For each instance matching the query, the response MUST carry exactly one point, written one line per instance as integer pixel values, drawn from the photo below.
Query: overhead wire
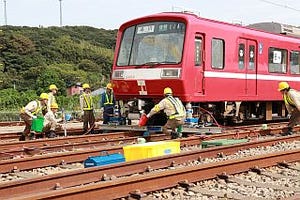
(280, 5)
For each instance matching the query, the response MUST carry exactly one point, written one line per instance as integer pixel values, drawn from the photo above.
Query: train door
(199, 63)
(247, 56)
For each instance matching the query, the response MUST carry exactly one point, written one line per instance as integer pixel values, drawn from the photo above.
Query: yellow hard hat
(54, 105)
(109, 86)
(283, 86)
(85, 86)
(44, 96)
(168, 90)
(53, 87)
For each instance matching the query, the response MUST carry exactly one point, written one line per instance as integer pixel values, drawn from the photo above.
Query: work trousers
(294, 119)
(107, 113)
(172, 124)
(51, 126)
(88, 118)
(28, 122)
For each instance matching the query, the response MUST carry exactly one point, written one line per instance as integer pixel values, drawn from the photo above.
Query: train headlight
(170, 73)
(118, 74)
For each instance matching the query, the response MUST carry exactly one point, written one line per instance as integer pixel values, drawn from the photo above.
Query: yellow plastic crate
(150, 149)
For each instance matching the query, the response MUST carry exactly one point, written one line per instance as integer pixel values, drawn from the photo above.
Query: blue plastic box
(191, 120)
(93, 161)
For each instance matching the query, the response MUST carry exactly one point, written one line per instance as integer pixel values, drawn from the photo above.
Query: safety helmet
(53, 87)
(168, 90)
(283, 86)
(85, 86)
(109, 86)
(54, 105)
(44, 96)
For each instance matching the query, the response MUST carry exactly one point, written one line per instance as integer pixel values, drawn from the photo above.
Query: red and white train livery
(230, 69)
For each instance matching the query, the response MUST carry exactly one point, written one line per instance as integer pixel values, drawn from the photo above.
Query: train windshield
(152, 43)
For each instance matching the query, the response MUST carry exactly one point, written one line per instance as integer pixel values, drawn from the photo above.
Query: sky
(110, 14)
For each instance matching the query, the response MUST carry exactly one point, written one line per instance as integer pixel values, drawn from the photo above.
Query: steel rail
(94, 174)
(30, 163)
(79, 155)
(160, 180)
(8, 150)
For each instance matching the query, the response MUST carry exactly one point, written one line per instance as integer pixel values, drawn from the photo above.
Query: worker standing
(51, 122)
(174, 110)
(87, 108)
(107, 103)
(291, 99)
(53, 91)
(31, 111)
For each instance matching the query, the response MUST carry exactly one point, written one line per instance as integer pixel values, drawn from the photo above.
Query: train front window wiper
(154, 64)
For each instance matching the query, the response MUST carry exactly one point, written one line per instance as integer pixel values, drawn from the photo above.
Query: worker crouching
(174, 110)
(51, 122)
(31, 111)
(291, 99)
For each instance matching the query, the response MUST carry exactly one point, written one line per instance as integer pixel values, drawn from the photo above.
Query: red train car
(229, 69)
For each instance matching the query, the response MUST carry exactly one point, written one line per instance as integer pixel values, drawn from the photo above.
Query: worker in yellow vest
(31, 111)
(291, 99)
(53, 92)
(174, 110)
(87, 109)
(107, 103)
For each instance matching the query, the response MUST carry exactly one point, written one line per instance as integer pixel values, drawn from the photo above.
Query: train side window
(241, 56)
(251, 57)
(295, 62)
(198, 51)
(217, 53)
(277, 60)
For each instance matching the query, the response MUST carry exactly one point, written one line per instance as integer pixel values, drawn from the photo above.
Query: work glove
(34, 117)
(289, 116)
(82, 113)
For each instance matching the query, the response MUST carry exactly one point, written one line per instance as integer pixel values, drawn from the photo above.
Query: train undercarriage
(212, 113)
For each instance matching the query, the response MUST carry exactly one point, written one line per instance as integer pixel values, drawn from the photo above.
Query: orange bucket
(143, 120)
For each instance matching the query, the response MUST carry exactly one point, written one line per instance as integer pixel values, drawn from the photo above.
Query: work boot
(174, 135)
(288, 132)
(22, 137)
(51, 134)
(31, 136)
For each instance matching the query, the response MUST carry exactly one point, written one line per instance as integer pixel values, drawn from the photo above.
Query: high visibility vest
(288, 100)
(88, 99)
(109, 101)
(52, 98)
(179, 108)
(37, 109)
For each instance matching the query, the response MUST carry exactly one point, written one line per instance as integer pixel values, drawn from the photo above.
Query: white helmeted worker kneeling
(174, 110)
(51, 121)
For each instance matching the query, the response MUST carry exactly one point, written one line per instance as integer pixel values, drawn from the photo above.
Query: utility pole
(60, 13)
(5, 14)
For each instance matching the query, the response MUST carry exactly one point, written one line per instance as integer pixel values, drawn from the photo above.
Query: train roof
(193, 18)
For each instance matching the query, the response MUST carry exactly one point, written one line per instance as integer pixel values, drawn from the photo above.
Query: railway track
(105, 142)
(106, 182)
(41, 153)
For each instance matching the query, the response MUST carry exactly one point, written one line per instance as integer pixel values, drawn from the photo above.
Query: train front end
(148, 58)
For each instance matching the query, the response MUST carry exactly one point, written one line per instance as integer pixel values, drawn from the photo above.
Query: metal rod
(60, 13)
(5, 13)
